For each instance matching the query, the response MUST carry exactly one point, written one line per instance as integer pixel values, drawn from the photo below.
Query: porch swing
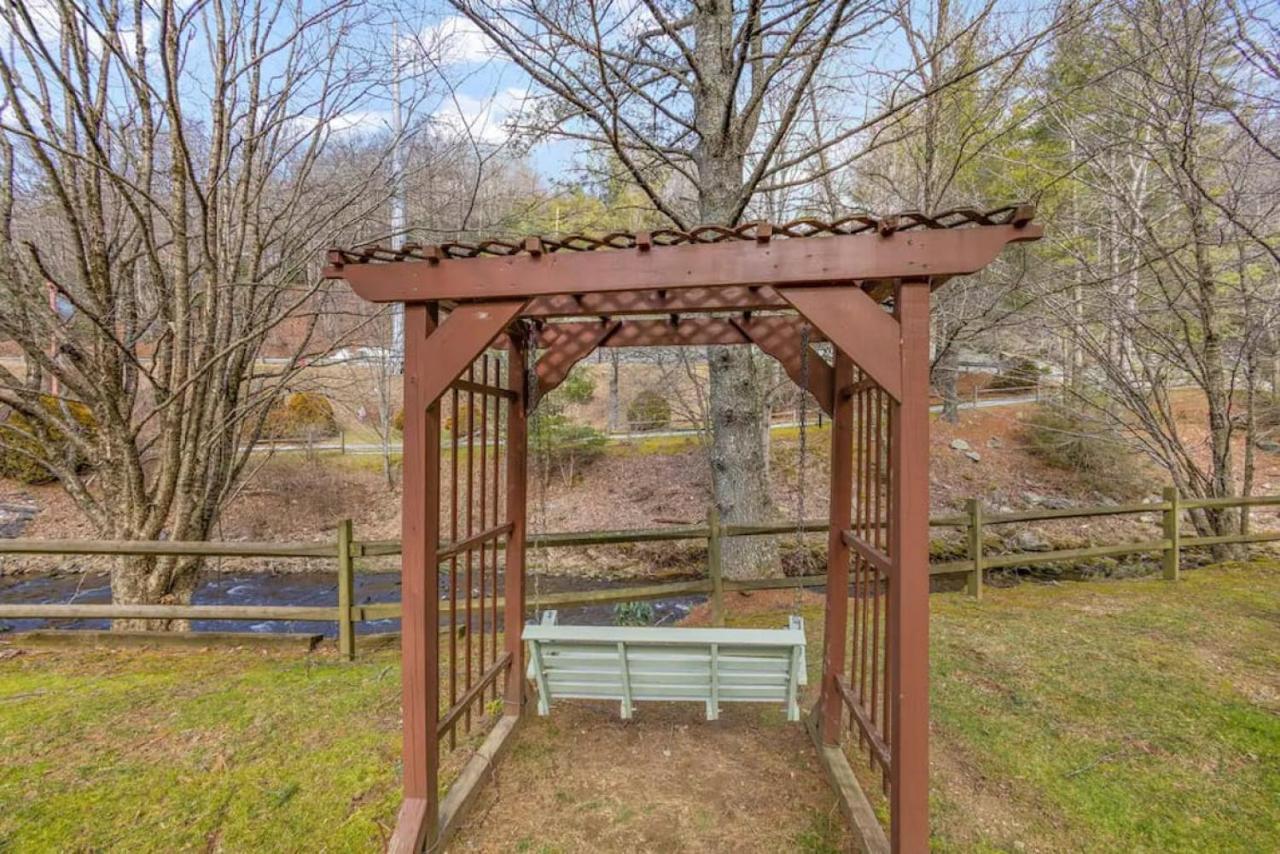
(863, 283)
(673, 664)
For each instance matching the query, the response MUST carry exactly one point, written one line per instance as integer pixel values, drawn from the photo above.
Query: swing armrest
(796, 623)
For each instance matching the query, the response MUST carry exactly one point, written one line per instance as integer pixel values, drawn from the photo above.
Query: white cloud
(150, 38)
(485, 119)
(45, 17)
(454, 40)
(358, 121)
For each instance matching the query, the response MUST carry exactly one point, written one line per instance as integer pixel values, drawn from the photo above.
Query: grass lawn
(1121, 716)
(1125, 716)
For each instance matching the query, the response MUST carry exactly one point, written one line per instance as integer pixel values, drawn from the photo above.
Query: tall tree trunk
(945, 379)
(1216, 389)
(739, 470)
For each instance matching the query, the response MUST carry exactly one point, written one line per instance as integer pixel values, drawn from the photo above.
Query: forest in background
(173, 175)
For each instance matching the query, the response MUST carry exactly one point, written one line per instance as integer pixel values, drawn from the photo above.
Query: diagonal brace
(569, 347)
(858, 327)
(461, 337)
(784, 343)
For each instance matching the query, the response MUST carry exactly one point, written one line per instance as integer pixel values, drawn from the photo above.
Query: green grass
(1130, 715)
(1125, 716)
(155, 751)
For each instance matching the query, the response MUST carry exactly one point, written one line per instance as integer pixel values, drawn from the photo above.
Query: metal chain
(802, 457)
(543, 461)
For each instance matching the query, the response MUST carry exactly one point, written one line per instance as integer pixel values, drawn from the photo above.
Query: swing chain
(802, 458)
(543, 462)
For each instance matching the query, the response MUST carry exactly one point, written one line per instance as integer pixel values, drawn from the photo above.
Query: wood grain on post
(974, 508)
(1172, 533)
(514, 553)
(346, 593)
(908, 618)
(420, 604)
(840, 515)
(715, 565)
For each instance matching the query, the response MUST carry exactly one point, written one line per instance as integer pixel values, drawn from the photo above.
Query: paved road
(375, 448)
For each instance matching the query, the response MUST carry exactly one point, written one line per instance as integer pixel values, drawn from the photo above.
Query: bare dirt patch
(583, 780)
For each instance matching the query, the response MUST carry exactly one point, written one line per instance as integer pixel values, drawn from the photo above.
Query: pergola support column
(908, 616)
(420, 602)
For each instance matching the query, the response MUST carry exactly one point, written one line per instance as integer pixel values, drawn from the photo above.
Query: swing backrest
(632, 665)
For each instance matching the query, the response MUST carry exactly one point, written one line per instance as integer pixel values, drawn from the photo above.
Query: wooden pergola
(863, 284)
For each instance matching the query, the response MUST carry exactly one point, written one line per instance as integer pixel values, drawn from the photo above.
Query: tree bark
(615, 392)
(945, 379)
(739, 467)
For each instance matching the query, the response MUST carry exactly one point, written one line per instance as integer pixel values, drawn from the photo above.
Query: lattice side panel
(868, 693)
(473, 522)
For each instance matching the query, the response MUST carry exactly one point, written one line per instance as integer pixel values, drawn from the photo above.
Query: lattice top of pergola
(831, 274)
(862, 223)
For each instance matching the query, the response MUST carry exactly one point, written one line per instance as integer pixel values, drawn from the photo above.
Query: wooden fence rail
(346, 550)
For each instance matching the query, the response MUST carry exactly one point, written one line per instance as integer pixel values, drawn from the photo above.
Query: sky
(484, 92)
(490, 89)
(487, 89)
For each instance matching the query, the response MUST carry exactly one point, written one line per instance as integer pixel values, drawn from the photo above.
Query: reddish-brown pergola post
(753, 284)
(909, 577)
(419, 604)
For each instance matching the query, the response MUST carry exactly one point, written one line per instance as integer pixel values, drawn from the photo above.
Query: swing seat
(632, 665)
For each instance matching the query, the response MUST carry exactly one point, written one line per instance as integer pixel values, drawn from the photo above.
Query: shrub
(397, 421)
(1018, 373)
(633, 614)
(578, 387)
(649, 411)
(1067, 439)
(27, 445)
(301, 415)
(568, 447)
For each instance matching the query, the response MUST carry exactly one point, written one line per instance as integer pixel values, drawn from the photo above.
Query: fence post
(714, 566)
(974, 508)
(346, 592)
(1172, 533)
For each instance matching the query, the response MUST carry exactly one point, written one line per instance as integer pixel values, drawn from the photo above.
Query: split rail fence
(347, 550)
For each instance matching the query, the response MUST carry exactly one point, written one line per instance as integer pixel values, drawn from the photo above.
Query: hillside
(646, 483)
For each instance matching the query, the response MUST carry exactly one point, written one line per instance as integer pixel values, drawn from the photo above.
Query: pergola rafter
(780, 287)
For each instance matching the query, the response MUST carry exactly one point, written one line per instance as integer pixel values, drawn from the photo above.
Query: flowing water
(315, 589)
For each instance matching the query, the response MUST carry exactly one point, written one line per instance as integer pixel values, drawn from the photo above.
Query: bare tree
(702, 104)
(1171, 198)
(950, 151)
(173, 173)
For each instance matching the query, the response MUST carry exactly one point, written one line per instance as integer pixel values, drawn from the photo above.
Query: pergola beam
(779, 336)
(679, 331)
(815, 261)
